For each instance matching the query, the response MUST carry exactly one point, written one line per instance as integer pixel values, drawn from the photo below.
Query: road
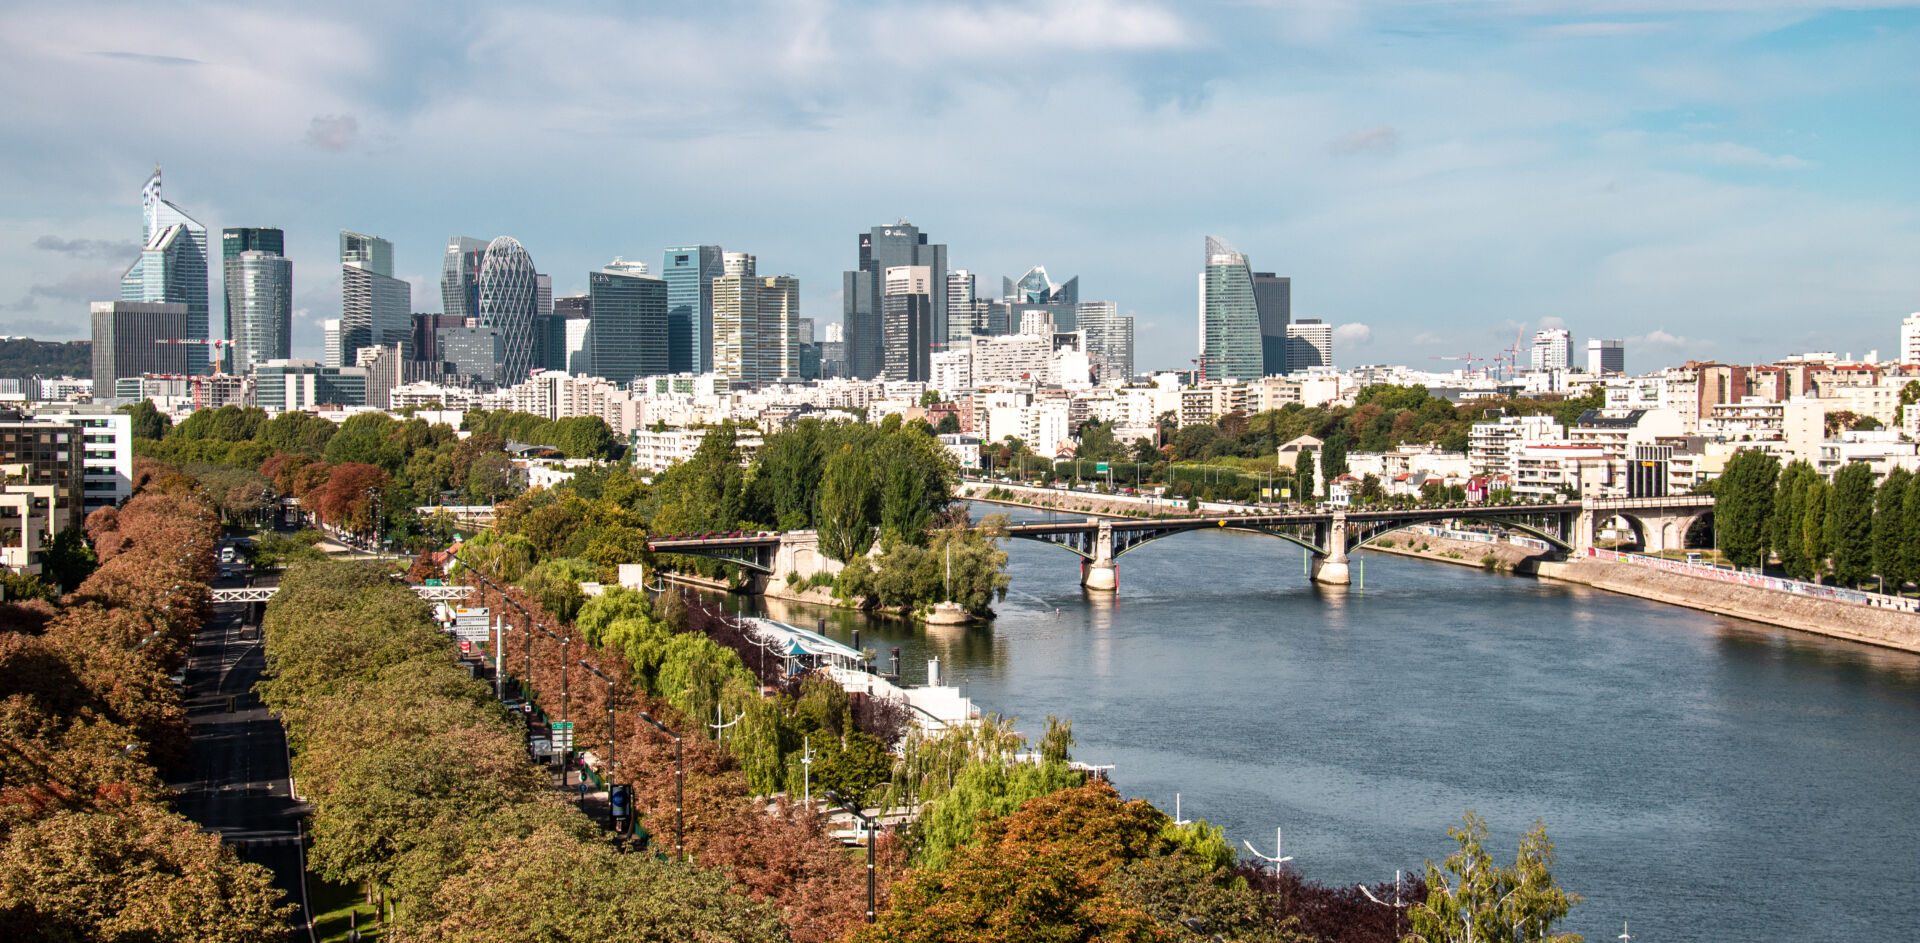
(237, 785)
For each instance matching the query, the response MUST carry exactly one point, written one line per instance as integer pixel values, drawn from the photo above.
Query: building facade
(1309, 345)
(689, 272)
(1229, 316)
(909, 327)
(628, 334)
(863, 290)
(460, 277)
(508, 297)
(283, 385)
(172, 267)
(1273, 298)
(257, 335)
(127, 341)
(375, 308)
(1606, 357)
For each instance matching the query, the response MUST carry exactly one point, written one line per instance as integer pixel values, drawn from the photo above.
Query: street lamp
(566, 706)
(1396, 906)
(679, 786)
(866, 821)
(1278, 857)
(609, 681)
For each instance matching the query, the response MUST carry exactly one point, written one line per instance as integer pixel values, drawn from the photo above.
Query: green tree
(1909, 395)
(706, 492)
(1814, 545)
(1789, 517)
(1889, 530)
(149, 423)
(1743, 505)
(580, 437)
(67, 561)
(1473, 898)
(1303, 476)
(849, 505)
(1850, 524)
(1910, 553)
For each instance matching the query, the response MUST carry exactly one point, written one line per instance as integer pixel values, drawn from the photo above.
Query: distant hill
(24, 357)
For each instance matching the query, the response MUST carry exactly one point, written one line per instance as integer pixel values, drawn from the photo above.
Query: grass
(337, 908)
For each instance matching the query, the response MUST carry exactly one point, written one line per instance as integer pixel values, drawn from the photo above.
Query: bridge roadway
(265, 593)
(1329, 534)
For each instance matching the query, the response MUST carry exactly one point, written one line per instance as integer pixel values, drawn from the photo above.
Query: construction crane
(1468, 357)
(219, 362)
(1202, 362)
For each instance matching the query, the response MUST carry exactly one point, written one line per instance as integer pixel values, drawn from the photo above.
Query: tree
(1889, 530)
(1743, 505)
(1477, 899)
(1303, 476)
(1814, 545)
(1850, 524)
(849, 504)
(67, 561)
(148, 422)
(1910, 511)
(1909, 394)
(1789, 513)
(580, 437)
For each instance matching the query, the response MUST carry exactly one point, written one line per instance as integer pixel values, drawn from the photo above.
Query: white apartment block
(1910, 339)
(106, 452)
(1012, 359)
(1552, 349)
(652, 451)
(952, 372)
(1490, 443)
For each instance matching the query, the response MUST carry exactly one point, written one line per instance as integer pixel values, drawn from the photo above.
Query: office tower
(1229, 316)
(1273, 298)
(543, 294)
(330, 343)
(460, 277)
(234, 241)
(1109, 339)
(833, 349)
(507, 300)
(628, 337)
(1910, 339)
(962, 324)
(883, 248)
(385, 367)
(126, 341)
(564, 337)
(1037, 321)
(907, 309)
(376, 309)
(689, 272)
(803, 331)
(754, 325)
(1606, 356)
(172, 267)
(426, 338)
(471, 352)
(777, 347)
(259, 289)
(1036, 291)
(1309, 344)
(1552, 349)
(284, 385)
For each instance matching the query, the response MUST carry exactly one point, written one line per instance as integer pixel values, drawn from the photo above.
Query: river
(1705, 778)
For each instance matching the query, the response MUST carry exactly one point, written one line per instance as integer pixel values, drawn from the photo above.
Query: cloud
(75, 287)
(148, 58)
(1658, 339)
(1352, 334)
(87, 248)
(1017, 29)
(1602, 29)
(1730, 154)
(333, 132)
(1550, 323)
(1381, 140)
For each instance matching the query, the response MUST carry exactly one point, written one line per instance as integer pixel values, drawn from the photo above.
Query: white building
(1490, 443)
(1309, 344)
(1606, 357)
(964, 448)
(106, 452)
(1552, 349)
(1910, 339)
(653, 451)
(952, 372)
(1011, 359)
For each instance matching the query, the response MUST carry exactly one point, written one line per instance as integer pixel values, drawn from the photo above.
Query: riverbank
(1885, 628)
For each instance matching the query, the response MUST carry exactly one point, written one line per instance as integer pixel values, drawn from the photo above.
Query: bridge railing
(1760, 581)
(1479, 536)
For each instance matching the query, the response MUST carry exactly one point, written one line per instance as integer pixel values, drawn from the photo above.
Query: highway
(237, 782)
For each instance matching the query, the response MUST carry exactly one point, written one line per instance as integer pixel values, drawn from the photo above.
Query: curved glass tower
(506, 304)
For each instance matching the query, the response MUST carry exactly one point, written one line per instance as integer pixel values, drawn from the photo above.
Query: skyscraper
(883, 248)
(777, 346)
(689, 272)
(234, 241)
(1309, 344)
(907, 307)
(259, 308)
(1552, 348)
(1273, 298)
(1229, 316)
(628, 336)
(1036, 291)
(426, 337)
(1606, 356)
(1910, 338)
(460, 276)
(568, 333)
(330, 352)
(126, 341)
(1109, 339)
(507, 299)
(376, 309)
(172, 266)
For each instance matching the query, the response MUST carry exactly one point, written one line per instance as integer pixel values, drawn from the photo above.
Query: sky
(1726, 179)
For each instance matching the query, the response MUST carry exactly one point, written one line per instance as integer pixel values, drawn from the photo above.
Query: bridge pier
(1101, 574)
(1331, 569)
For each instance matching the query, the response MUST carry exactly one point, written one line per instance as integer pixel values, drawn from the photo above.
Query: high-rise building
(508, 298)
(426, 337)
(1309, 344)
(1606, 356)
(248, 334)
(628, 337)
(689, 272)
(563, 343)
(883, 248)
(907, 308)
(777, 346)
(1229, 316)
(543, 294)
(172, 267)
(1109, 339)
(1273, 298)
(471, 352)
(1036, 291)
(460, 277)
(962, 287)
(331, 354)
(1552, 349)
(376, 309)
(126, 341)
(1910, 339)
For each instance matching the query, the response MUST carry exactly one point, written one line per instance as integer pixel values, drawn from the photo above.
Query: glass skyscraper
(460, 276)
(172, 266)
(863, 291)
(1229, 316)
(1273, 296)
(376, 309)
(507, 298)
(689, 272)
(258, 296)
(627, 311)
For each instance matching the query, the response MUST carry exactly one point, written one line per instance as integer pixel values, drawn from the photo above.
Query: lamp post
(866, 821)
(1279, 856)
(1396, 906)
(679, 786)
(566, 706)
(610, 717)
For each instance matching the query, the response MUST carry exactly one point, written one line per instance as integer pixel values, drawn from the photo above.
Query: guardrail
(1478, 536)
(265, 593)
(1777, 584)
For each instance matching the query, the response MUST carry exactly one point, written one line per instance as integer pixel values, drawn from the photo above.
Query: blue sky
(1706, 178)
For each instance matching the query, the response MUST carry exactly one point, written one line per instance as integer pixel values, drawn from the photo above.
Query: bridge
(265, 593)
(1329, 535)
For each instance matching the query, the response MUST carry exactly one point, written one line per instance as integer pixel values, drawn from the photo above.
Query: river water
(1705, 778)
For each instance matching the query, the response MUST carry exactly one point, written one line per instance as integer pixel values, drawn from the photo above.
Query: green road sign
(1101, 467)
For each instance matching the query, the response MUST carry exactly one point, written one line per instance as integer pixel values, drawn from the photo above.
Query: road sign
(472, 624)
(466, 647)
(1101, 467)
(436, 582)
(563, 734)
